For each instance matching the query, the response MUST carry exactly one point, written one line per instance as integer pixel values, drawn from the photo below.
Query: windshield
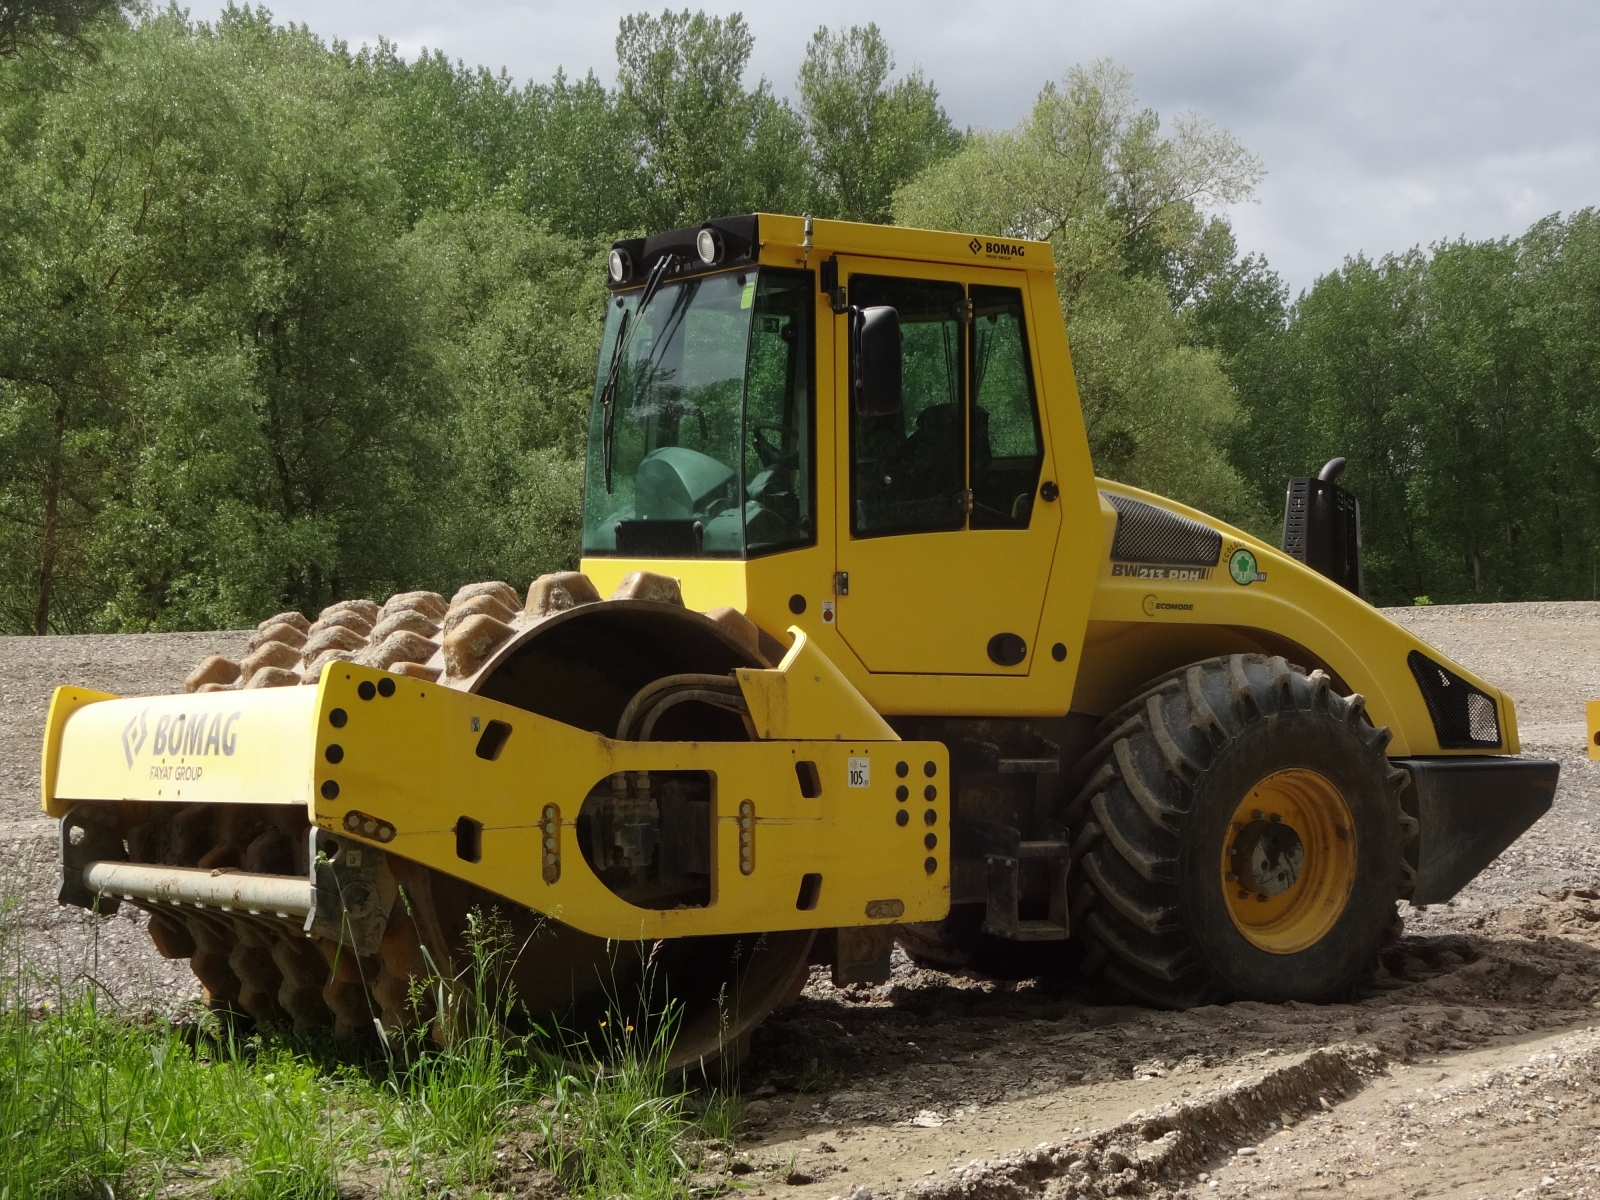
(708, 438)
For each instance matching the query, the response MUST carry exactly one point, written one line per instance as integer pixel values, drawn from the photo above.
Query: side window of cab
(1006, 447)
(908, 466)
(964, 449)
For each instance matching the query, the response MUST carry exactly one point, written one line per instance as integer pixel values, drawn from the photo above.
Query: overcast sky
(1382, 123)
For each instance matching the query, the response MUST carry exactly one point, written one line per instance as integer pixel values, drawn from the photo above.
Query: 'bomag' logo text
(183, 735)
(997, 249)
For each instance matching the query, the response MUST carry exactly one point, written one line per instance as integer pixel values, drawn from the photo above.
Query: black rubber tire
(1153, 811)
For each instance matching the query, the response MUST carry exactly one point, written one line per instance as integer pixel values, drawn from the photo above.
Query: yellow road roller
(860, 653)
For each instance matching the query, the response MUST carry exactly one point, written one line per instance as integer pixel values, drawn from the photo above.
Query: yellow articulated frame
(1134, 615)
(397, 761)
(410, 760)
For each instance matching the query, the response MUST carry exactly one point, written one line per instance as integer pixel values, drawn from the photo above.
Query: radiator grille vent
(1147, 534)
(1464, 717)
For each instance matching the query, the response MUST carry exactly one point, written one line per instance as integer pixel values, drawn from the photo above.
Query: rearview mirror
(876, 377)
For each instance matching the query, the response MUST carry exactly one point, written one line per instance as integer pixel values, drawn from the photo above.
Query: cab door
(944, 543)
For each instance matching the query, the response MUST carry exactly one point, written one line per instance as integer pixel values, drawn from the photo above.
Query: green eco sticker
(1242, 567)
(748, 296)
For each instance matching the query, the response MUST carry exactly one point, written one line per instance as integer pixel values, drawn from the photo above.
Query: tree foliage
(1123, 208)
(867, 135)
(282, 323)
(1461, 383)
(53, 26)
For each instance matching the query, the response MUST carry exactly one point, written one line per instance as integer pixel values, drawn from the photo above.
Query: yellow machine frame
(1095, 631)
(1118, 630)
(404, 745)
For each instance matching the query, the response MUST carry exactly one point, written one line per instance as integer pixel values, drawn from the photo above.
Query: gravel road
(1466, 1068)
(66, 943)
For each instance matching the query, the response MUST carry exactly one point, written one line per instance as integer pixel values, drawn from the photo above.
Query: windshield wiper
(608, 393)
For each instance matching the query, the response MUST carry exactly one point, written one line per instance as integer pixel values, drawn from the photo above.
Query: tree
(1459, 383)
(868, 137)
(216, 396)
(579, 173)
(1091, 173)
(705, 146)
(1121, 205)
(53, 26)
(454, 132)
(510, 308)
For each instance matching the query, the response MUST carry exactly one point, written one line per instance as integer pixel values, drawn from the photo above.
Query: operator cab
(826, 419)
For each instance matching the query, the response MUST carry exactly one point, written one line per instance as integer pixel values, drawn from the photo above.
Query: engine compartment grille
(1147, 534)
(1464, 717)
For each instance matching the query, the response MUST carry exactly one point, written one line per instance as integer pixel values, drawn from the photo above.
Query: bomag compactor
(860, 653)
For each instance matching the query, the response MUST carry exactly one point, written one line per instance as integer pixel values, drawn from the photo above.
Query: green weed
(95, 1104)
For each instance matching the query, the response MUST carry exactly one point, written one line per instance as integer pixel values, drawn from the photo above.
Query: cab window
(1006, 449)
(965, 449)
(908, 468)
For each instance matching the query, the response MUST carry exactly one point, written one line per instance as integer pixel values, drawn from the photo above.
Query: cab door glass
(1006, 447)
(908, 468)
(779, 472)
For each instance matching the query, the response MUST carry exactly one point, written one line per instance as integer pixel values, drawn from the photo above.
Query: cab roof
(896, 241)
(779, 239)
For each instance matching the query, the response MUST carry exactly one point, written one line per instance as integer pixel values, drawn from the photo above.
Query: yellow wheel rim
(1288, 861)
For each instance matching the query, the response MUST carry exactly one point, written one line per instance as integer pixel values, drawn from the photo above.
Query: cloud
(1382, 125)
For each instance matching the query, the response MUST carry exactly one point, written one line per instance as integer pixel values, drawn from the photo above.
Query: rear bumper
(1471, 808)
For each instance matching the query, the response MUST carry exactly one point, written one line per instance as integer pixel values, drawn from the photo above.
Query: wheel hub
(1288, 861)
(1268, 856)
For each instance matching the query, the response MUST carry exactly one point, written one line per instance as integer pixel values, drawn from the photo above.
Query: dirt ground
(1465, 1068)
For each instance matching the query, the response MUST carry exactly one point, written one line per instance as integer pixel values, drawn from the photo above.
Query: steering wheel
(773, 455)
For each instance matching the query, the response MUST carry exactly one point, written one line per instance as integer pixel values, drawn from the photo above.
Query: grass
(94, 1104)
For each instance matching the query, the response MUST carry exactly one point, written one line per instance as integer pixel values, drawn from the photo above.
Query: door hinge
(965, 500)
(841, 583)
(829, 280)
(964, 310)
